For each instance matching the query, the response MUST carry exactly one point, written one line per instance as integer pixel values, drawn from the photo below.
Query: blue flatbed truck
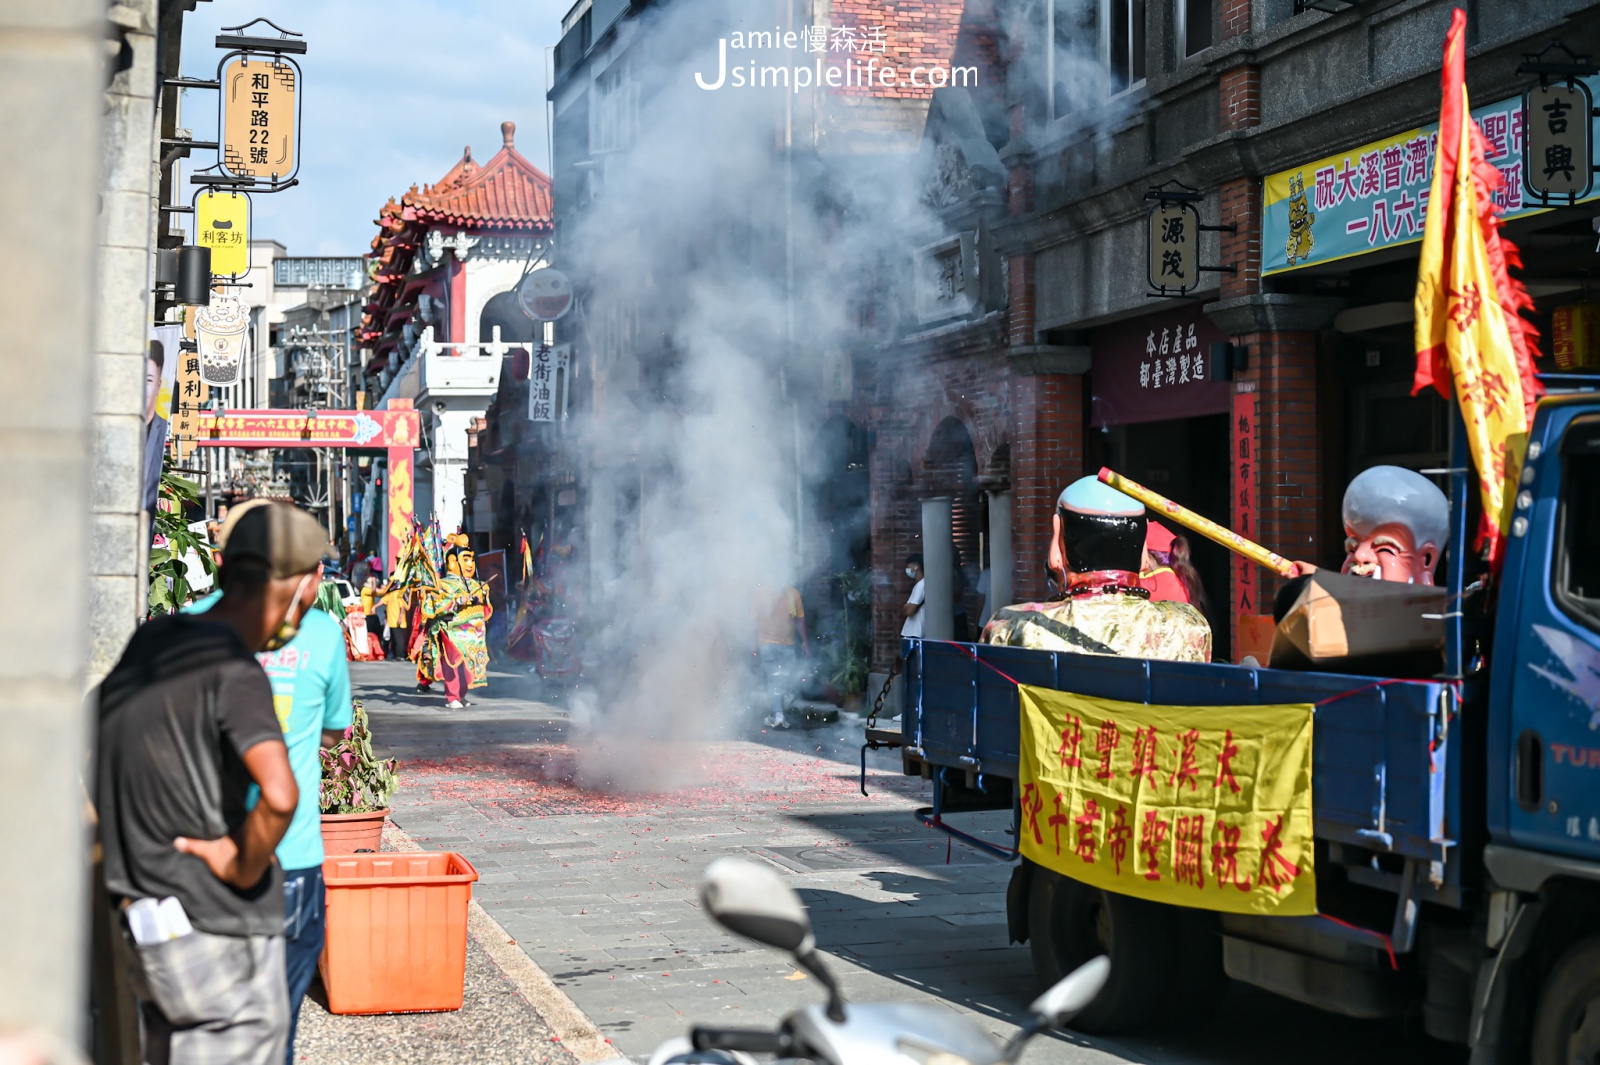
(1457, 818)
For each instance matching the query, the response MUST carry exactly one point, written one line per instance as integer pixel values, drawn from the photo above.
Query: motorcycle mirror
(753, 901)
(1073, 993)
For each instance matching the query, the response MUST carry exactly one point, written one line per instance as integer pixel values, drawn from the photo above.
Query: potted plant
(851, 663)
(355, 790)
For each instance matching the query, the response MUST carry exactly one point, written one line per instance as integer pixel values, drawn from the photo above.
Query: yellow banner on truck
(1200, 806)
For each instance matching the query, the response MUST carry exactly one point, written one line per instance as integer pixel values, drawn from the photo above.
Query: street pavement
(598, 886)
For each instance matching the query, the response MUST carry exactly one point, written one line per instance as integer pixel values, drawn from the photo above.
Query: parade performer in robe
(1099, 536)
(455, 612)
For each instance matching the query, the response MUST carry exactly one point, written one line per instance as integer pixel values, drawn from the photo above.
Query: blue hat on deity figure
(1101, 528)
(1090, 495)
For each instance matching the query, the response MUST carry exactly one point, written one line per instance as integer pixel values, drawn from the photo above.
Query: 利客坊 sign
(1376, 196)
(1201, 806)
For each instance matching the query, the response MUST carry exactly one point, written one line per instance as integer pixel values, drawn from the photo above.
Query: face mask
(287, 629)
(911, 573)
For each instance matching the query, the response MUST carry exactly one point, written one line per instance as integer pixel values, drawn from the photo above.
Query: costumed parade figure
(1396, 523)
(1099, 539)
(545, 629)
(455, 611)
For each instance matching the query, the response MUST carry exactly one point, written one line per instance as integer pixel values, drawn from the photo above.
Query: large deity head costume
(1096, 546)
(1395, 525)
(1097, 529)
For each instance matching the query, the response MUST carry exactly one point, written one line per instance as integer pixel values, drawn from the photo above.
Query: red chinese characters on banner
(1105, 745)
(1188, 851)
(1071, 740)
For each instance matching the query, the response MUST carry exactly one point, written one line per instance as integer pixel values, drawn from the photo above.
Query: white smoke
(746, 262)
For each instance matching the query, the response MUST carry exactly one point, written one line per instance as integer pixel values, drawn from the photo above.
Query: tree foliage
(172, 541)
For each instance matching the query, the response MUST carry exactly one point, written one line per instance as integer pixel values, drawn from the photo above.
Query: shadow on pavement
(974, 966)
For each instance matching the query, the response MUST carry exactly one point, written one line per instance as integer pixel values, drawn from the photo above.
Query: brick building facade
(1016, 346)
(1324, 388)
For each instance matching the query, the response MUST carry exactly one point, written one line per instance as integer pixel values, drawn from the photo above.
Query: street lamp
(194, 276)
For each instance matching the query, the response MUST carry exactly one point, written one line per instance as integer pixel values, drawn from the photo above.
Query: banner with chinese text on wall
(1376, 196)
(1201, 806)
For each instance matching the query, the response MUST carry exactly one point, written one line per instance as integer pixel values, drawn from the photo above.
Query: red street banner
(299, 428)
(1246, 599)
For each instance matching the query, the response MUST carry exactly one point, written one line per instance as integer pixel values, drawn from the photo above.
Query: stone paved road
(599, 890)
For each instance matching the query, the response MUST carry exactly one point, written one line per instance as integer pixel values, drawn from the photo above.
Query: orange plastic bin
(397, 931)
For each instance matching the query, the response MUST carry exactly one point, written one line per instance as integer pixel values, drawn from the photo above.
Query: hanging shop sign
(260, 117)
(222, 334)
(545, 295)
(190, 393)
(222, 223)
(1558, 142)
(547, 383)
(1376, 196)
(1172, 240)
(1174, 248)
(1156, 368)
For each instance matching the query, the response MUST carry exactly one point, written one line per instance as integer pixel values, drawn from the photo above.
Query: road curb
(572, 1026)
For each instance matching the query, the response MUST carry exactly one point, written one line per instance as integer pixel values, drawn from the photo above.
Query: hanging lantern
(1573, 337)
(222, 334)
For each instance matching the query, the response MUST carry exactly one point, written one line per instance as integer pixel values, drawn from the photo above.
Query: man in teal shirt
(311, 692)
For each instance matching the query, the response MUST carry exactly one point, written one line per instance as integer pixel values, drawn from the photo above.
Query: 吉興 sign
(1204, 807)
(1557, 146)
(260, 117)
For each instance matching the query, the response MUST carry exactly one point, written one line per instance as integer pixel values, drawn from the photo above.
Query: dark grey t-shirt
(185, 701)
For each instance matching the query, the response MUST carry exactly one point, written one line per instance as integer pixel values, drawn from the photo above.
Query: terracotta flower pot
(349, 833)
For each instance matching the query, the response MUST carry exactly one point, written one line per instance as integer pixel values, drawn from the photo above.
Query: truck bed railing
(1380, 743)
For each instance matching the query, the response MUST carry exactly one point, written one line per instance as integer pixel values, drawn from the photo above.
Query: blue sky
(394, 89)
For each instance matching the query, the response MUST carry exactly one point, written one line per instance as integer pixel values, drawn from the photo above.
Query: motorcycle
(752, 901)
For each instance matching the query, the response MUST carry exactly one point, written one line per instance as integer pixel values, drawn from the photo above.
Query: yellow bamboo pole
(1195, 523)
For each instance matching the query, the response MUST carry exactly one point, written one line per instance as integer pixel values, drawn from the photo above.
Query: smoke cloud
(722, 267)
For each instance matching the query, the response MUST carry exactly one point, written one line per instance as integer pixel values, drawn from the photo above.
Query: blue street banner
(1376, 196)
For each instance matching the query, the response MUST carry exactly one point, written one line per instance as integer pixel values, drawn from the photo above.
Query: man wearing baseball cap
(187, 725)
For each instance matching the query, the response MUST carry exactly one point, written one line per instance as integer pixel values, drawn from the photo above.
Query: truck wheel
(1070, 923)
(1566, 1028)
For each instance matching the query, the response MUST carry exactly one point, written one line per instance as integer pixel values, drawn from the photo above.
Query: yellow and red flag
(1470, 332)
(527, 559)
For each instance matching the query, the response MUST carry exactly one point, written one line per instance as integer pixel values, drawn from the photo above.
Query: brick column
(1047, 411)
(1279, 334)
(1235, 18)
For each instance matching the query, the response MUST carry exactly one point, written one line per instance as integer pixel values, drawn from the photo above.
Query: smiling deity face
(1389, 553)
(1395, 524)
